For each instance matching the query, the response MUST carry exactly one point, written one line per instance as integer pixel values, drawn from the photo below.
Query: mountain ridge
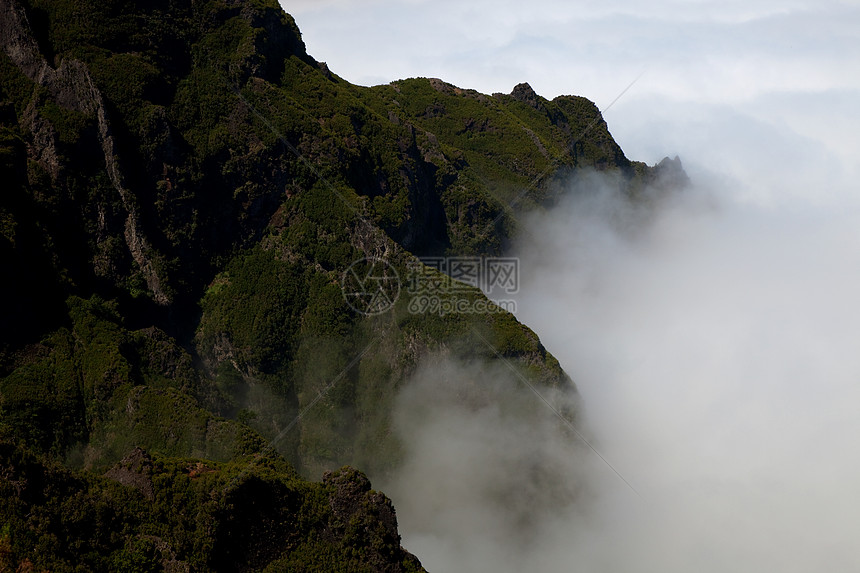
(187, 188)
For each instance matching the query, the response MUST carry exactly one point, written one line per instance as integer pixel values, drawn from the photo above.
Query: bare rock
(524, 93)
(135, 470)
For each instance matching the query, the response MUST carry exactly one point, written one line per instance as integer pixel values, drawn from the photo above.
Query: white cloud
(717, 352)
(776, 45)
(714, 345)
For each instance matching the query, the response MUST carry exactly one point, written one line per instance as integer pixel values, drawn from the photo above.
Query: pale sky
(722, 83)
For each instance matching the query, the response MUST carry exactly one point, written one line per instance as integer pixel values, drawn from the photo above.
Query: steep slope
(183, 122)
(185, 193)
(154, 514)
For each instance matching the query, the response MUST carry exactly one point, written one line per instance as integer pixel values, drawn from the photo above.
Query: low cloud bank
(714, 342)
(487, 466)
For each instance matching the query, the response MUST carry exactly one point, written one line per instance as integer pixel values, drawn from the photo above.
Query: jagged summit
(524, 93)
(669, 174)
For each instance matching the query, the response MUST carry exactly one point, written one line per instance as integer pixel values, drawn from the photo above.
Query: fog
(715, 345)
(487, 466)
(713, 336)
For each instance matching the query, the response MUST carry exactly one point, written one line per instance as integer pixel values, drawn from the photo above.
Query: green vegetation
(184, 189)
(153, 514)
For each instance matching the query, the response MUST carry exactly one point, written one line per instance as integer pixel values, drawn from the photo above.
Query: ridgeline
(184, 190)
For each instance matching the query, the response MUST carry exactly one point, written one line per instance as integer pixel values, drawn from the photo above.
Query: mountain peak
(524, 93)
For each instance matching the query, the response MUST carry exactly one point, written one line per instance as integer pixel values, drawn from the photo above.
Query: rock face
(184, 192)
(524, 93)
(18, 42)
(135, 470)
(214, 518)
(359, 512)
(669, 174)
(196, 170)
(72, 87)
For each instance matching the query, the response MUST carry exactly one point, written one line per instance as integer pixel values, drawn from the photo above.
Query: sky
(783, 74)
(713, 341)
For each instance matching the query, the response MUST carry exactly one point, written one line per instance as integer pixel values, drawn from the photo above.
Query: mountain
(188, 199)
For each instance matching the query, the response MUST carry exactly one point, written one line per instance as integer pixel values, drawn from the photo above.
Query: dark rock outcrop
(525, 94)
(669, 175)
(135, 470)
(359, 512)
(71, 86)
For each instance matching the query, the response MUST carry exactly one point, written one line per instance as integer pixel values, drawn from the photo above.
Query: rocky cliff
(186, 192)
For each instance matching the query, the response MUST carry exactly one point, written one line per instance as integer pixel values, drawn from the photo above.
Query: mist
(487, 466)
(714, 343)
(712, 335)
(713, 340)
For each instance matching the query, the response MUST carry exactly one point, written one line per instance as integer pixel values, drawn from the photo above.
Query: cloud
(714, 343)
(761, 151)
(714, 340)
(487, 466)
(713, 50)
(714, 347)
